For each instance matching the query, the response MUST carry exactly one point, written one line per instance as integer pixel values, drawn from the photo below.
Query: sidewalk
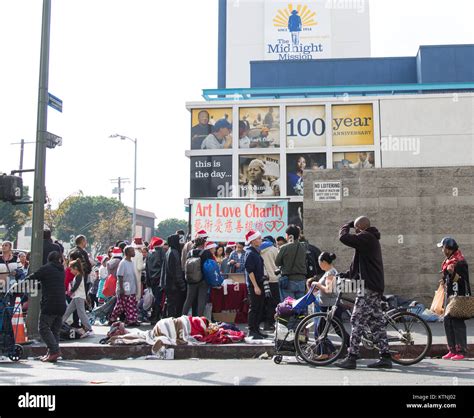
(91, 349)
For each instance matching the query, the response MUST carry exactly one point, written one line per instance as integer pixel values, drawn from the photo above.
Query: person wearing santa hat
(254, 275)
(113, 263)
(190, 245)
(196, 296)
(153, 266)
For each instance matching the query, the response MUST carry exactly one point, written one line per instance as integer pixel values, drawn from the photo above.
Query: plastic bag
(438, 301)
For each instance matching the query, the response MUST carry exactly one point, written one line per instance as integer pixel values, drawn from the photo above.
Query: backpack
(192, 269)
(212, 273)
(312, 265)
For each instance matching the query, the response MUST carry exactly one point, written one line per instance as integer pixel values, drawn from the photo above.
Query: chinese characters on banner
(231, 220)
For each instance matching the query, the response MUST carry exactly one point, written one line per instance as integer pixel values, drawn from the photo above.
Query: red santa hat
(117, 252)
(156, 242)
(231, 244)
(201, 234)
(250, 236)
(100, 258)
(210, 245)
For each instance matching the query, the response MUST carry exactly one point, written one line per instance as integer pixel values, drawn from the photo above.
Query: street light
(134, 216)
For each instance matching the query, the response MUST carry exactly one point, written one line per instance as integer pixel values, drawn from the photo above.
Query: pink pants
(127, 304)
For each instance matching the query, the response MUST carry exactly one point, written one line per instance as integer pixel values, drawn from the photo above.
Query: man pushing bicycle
(367, 265)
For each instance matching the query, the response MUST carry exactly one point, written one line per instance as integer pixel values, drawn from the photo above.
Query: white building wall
(427, 132)
(350, 34)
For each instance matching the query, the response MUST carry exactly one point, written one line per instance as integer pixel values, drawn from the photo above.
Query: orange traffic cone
(19, 327)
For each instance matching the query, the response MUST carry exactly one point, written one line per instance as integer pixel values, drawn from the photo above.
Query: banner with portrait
(211, 128)
(229, 220)
(259, 175)
(259, 127)
(296, 164)
(361, 159)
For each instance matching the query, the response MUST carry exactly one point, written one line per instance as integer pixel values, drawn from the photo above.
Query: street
(228, 372)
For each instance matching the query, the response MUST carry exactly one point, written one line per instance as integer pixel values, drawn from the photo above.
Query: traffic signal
(11, 188)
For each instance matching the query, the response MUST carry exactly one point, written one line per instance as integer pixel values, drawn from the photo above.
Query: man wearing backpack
(197, 286)
(292, 261)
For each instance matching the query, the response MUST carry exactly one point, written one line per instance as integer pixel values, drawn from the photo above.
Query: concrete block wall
(413, 208)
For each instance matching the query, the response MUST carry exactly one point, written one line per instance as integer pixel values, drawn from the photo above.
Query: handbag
(460, 307)
(110, 286)
(438, 300)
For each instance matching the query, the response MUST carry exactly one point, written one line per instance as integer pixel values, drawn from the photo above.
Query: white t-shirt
(127, 270)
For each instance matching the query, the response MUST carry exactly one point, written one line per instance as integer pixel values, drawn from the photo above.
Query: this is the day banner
(230, 220)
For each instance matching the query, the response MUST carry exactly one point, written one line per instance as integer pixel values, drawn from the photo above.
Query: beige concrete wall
(412, 207)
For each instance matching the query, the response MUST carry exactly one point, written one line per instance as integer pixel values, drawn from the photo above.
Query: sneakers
(256, 336)
(449, 356)
(51, 358)
(88, 334)
(385, 362)
(350, 362)
(457, 357)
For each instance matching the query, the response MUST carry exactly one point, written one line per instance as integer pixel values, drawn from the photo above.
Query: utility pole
(40, 167)
(22, 152)
(118, 190)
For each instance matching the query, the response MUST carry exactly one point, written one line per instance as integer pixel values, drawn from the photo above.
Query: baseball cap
(222, 123)
(447, 242)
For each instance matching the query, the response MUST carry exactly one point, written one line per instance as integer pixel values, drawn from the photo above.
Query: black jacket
(53, 295)
(154, 264)
(254, 264)
(367, 263)
(457, 284)
(172, 275)
(78, 252)
(48, 247)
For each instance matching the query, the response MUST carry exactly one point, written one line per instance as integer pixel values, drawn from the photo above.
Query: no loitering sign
(327, 191)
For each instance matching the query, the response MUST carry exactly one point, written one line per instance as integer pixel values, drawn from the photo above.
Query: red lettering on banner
(218, 226)
(228, 212)
(203, 210)
(208, 225)
(228, 226)
(197, 225)
(248, 226)
(239, 227)
(259, 226)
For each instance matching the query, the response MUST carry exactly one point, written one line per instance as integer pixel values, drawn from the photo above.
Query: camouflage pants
(367, 315)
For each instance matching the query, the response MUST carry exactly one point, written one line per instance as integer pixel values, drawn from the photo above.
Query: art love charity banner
(231, 220)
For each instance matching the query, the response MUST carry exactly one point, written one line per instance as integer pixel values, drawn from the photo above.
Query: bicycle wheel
(409, 338)
(319, 343)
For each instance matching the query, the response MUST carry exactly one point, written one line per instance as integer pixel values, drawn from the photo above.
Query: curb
(216, 352)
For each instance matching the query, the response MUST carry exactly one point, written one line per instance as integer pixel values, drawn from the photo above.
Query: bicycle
(409, 336)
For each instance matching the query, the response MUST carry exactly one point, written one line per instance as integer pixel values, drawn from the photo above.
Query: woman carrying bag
(455, 275)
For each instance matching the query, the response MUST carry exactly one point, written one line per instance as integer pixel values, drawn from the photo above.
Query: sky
(129, 67)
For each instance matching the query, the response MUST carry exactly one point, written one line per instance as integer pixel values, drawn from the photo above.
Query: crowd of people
(165, 278)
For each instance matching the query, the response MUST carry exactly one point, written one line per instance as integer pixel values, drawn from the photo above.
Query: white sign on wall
(297, 30)
(327, 191)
